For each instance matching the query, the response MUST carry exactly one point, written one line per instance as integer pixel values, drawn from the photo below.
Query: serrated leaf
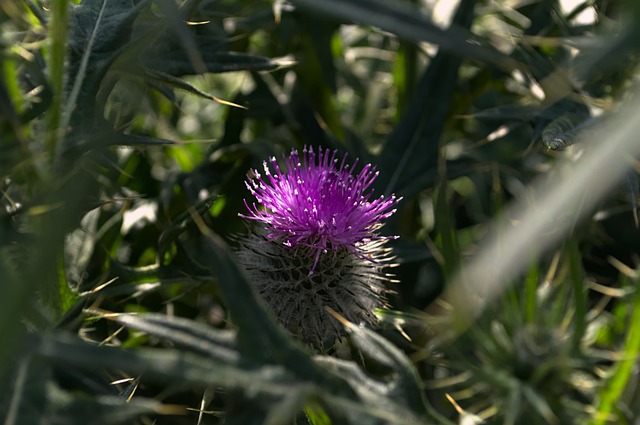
(405, 386)
(35, 395)
(114, 18)
(99, 29)
(176, 20)
(178, 83)
(216, 62)
(188, 334)
(166, 365)
(397, 394)
(67, 409)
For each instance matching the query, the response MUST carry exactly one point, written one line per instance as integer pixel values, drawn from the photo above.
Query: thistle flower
(317, 245)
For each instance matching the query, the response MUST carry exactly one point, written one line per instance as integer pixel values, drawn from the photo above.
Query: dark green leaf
(406, 21)
(192, 336)
(566, 131)
(411, 150)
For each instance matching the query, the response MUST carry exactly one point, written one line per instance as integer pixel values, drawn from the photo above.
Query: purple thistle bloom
(319, 204)
(318, 248)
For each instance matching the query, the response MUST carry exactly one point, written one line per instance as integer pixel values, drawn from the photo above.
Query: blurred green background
(127, 129)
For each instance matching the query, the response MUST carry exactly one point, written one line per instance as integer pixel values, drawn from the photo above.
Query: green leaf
(411, 151)
(407, 22)
(178, 83)
(175, 64)
(504, 113)
(182, 223)
(621, 374)
(166, 365)
(68, 409)
(566, 130)
(191, 336)
(137, 140)
(404, 387)
(34, 395)
(317, 415)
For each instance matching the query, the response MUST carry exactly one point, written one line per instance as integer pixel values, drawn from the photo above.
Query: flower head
(319, 203)
(318, 247)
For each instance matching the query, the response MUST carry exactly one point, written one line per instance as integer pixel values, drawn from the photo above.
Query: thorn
(466, 418)
(403, 333)
(227, 103)
(347, 324)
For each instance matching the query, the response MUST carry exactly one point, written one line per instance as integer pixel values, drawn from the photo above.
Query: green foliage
(127, 128)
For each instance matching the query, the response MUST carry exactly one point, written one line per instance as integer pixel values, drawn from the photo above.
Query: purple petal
(318, 203)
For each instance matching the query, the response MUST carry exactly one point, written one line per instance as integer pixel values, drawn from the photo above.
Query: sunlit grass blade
(622, 372)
